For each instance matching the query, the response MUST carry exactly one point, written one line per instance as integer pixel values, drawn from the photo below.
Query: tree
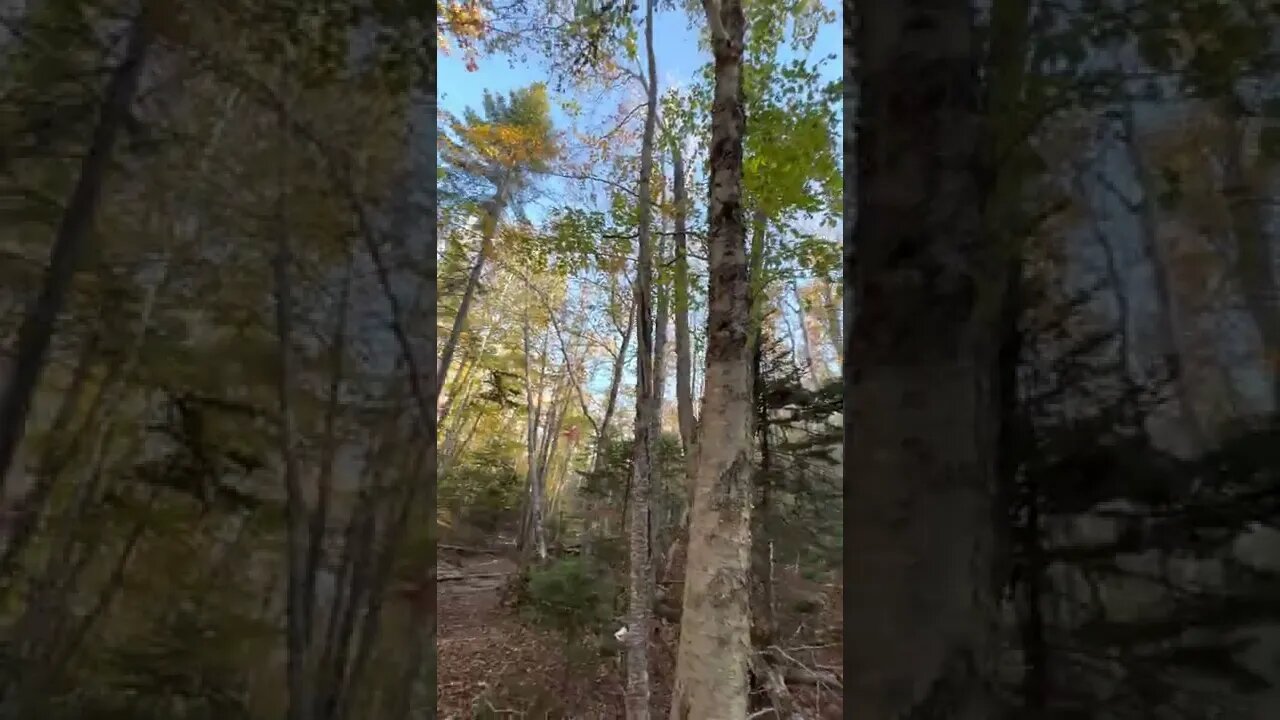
(712, 661)
(924, 427)
(73, 232)
(640, 595)
(500, 148)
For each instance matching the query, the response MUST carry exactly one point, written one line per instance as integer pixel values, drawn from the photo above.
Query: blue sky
(678, 55)
(679, 59)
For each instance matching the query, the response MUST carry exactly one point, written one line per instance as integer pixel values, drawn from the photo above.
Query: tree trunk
(680, 291)
(319, 521)
(661, 323)
(489, 228)
(658, 521)
(831, 310)
(715, 625)
(1255, 259)
(756, 278)
(462, 382)
(615, 386)
(762, 625)
(72, 235)
(640, 595)
(1166, 310)
(533, 536)
(298, 620)
(922, 442)
(809, 359)
(602, 429)
(761, 592)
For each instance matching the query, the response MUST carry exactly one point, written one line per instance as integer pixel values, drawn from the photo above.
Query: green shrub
(484, 493)
(571, 595)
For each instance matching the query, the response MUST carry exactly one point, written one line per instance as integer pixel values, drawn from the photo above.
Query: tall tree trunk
(680, 298)
(715, 624)
(1255, 257)
(660, 326)
(640, 595)
(72, 235)
(923, 439)
(831, 311)
(761, 591)
(810, 361)
(324, 478)
(756, 278)
(657, 525)
(1148, 218)
(536, 541)
(462, 382)
(298, 621)
(615, 387)
(762, 625)
(606, 420)
(489, 229)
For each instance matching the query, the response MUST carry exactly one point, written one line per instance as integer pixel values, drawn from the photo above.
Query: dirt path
(491, 663)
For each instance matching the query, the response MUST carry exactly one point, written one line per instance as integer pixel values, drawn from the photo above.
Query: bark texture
(922, 439)
(715, 628)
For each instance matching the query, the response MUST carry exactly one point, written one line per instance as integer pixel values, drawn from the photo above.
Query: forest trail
(491, 663)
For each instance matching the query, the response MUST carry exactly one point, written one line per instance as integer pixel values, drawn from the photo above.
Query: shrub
(570, 595)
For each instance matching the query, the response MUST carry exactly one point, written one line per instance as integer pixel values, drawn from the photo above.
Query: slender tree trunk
(615, 387)
(1255, 259)
(661, 324)
(72, 235)
(536, 541)
(658, 521)
(493, 214)
(462, 382)
(809, 359)
(1115, 275)
(640, 595)
(324, 478)
(923, 440)
(715, 624)
(761, 591)
(831, 310)
(298, 621)
(680, 290)
(1166, 310)
(601, 449)
(755, 274)
(762, 625)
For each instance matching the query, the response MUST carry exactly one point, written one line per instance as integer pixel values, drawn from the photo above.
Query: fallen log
(472, 576)
(464, 550)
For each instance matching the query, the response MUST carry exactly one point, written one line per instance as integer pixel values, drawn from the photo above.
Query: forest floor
(495, 664)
